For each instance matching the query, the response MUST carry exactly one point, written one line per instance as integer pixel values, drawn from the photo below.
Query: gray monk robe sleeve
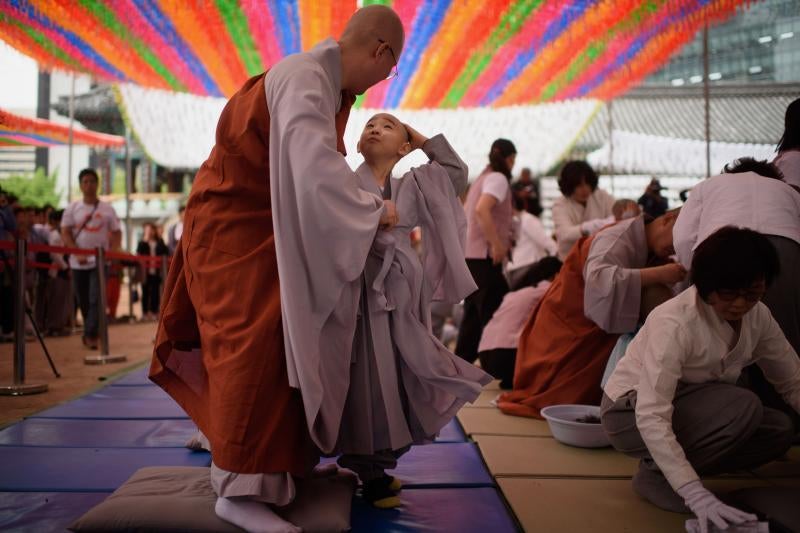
(324, 228)
(438, 149)
(613, 289)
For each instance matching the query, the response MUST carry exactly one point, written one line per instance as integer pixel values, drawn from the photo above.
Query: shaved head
(371, 45)
(374, 22)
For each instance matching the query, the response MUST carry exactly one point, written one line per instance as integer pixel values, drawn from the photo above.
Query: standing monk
(276, 235)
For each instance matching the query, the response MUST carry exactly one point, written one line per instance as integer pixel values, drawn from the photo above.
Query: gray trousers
(373, 466)
(783, 300)
(721, 428)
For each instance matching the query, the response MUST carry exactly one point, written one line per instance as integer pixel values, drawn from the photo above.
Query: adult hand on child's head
(672, 273)
(708, 508)
(389, 218)
(415, 138)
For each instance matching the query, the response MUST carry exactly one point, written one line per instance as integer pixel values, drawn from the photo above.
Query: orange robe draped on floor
(561, 354)
(219, 350)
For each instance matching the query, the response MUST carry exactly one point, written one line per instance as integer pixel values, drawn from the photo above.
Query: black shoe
(378, 493)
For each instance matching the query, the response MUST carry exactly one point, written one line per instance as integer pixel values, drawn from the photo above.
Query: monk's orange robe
(562, 354)
(219, 349)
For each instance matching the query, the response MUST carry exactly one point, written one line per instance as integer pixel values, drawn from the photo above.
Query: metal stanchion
(19, 387)
(104, 356)
(164, 273)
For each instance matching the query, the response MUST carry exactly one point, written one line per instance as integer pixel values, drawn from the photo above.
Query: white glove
(707, 508)
(593, 226)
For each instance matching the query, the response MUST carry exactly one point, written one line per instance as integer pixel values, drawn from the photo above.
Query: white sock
(198, 441)
(253, 516)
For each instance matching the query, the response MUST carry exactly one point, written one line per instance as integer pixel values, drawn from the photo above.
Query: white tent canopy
(639, 153)
(176, 130)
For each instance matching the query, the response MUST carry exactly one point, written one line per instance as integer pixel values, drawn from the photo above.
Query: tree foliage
(33, 190)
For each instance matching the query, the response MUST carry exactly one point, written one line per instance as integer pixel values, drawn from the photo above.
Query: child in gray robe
(404, 384)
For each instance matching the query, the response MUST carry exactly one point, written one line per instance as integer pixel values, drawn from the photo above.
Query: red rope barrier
(145, 260)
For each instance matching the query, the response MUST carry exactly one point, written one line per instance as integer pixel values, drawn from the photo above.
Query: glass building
(761, 44)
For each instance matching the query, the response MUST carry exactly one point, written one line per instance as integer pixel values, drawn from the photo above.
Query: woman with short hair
(583, 209)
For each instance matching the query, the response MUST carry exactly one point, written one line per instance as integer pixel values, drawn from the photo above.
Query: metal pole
(128, 188)
(18, 387)
(102, 317)
(128, 232)
(610, 108)
(69, 150)
(707, 100)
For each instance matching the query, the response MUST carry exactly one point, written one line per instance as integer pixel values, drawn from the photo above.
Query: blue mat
(36, 469)
(82, 433)
(129, 393)
(134, 379)
(452, 432)
(26, 512)
(449, 464)
(99, 408)
(463, 510)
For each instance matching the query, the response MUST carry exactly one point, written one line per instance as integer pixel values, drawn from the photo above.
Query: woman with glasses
(672, 401)
(751, 194)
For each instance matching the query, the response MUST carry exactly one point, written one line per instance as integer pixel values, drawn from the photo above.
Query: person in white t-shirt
(532, 243)
(89, 223)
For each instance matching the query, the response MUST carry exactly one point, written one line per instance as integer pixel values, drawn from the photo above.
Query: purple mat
(83, 433)
(452, 432)
(34, 512)
(39, 469)
(465, 510)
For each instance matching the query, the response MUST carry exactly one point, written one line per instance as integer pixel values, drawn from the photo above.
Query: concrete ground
(133, 340)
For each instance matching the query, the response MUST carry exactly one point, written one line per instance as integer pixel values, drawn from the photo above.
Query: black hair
(55, 215)
(750, 164)
(501, 149)
(573, 173)
(790, 140)
(733, 258)
(543, 269)
(88, 172)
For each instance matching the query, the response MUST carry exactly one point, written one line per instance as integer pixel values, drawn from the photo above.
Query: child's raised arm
(438, 149)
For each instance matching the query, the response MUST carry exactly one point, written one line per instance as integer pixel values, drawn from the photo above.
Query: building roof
(96, 109)
(739, 113)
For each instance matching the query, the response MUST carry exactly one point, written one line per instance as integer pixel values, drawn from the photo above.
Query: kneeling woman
(596, 296)
(672, 399)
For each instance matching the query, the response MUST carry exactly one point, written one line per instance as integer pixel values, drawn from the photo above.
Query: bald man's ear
(405, 149)
(358, 147)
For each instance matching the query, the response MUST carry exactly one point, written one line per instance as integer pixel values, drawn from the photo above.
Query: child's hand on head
(415, 138)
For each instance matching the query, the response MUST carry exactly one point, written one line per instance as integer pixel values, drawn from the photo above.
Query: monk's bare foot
(252, 516)
(198, 441)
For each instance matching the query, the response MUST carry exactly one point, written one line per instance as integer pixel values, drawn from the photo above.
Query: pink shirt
(504, 328)
(502, 214)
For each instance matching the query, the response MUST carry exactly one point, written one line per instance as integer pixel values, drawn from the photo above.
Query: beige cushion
(180, 499)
